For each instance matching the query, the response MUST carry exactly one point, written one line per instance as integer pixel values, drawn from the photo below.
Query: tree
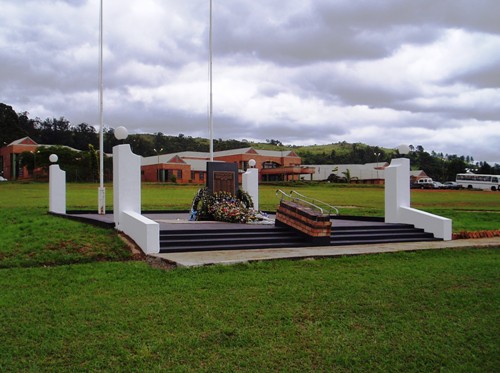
(9, 125)
(56, 131)
(93, 162)
(484, 168)
(109, 139)
(274, 142)
(83, 135)
(347, 175)
(30, 126)
(27, 159)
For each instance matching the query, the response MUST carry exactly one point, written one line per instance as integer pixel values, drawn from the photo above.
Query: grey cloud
(347, 31)
(486, 77)
(49, 63)
(228, 127)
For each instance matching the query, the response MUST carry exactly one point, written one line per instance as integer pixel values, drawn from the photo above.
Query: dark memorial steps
(344, 232)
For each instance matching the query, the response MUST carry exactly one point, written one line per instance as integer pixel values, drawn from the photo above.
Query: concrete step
(280, 237)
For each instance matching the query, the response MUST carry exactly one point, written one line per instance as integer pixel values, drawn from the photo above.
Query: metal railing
(312, 202)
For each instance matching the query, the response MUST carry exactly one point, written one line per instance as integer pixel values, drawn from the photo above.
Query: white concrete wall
(57, 189)
(250, 184)
(439, 226)
(397, 202)
(127, 201)
(361, 171)
(322, 171)
(145, 232)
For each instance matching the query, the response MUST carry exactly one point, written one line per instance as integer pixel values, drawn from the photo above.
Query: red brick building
(190, 167)
(183, 167)
(10, 157)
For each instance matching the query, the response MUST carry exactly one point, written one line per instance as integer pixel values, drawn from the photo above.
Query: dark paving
(180, 221)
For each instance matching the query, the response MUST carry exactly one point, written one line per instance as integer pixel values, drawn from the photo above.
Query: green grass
(30, 237)
(470, 210)
(408, 312)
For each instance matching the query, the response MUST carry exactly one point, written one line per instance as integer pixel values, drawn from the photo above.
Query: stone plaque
(222, 176)
(224, 181)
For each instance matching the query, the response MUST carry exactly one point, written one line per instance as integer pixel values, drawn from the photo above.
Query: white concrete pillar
(126, 181)
(250, 184)
(397, 188)
(127, 201)
(57, 189)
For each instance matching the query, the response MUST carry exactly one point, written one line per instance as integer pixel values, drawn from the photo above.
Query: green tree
(484, 168)
(347, 175)
(93, 162)
(9, 125)
(27, 159)
(83, 135)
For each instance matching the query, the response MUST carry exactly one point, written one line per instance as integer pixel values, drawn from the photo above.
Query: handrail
(283, 194)
(317, 201)
(312, 201)
(302, 200)
(298, 200)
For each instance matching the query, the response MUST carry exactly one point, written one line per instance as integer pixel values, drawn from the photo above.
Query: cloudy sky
(380, 72)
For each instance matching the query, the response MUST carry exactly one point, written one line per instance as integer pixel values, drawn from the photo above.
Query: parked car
(424, 183)
(452, 185)
(438, 185)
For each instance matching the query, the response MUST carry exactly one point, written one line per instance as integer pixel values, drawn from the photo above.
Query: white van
(423, 183)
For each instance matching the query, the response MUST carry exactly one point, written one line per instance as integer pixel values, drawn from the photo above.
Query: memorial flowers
(222, 206)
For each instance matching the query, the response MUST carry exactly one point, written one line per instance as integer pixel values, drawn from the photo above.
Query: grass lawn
(30, 237)
(71, 298)
(408, 312)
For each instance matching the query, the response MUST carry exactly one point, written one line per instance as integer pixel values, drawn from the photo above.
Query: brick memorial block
(222, 176)
(314, 224)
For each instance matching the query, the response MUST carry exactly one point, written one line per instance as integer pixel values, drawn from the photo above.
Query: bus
(479, 181)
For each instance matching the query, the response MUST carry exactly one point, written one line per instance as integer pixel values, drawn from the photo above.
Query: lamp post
(403, 149)
(101, 191)
(158, 163)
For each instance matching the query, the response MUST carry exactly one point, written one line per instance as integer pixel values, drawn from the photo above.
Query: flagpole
(101, 190)
(211, 119)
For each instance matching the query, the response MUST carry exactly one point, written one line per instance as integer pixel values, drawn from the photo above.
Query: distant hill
(338, 153)
(59, 131)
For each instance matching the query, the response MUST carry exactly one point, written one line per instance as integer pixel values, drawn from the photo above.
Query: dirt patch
(476, 234)
(160, 263)
(137, 253)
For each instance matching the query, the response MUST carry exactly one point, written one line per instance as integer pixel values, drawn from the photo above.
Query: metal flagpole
(211, 119)
(101, 190)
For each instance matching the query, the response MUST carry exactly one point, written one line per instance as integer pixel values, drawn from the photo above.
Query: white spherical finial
(403, 149)
(121, 133)
(252, 163)
(53, 158)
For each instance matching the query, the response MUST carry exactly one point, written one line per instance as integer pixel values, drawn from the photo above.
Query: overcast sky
(388, 72)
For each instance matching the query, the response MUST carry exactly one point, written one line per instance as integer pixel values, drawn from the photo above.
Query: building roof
(28, 141)
(418, 173)
(197, 164)
(205, 156)
(23, 141)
